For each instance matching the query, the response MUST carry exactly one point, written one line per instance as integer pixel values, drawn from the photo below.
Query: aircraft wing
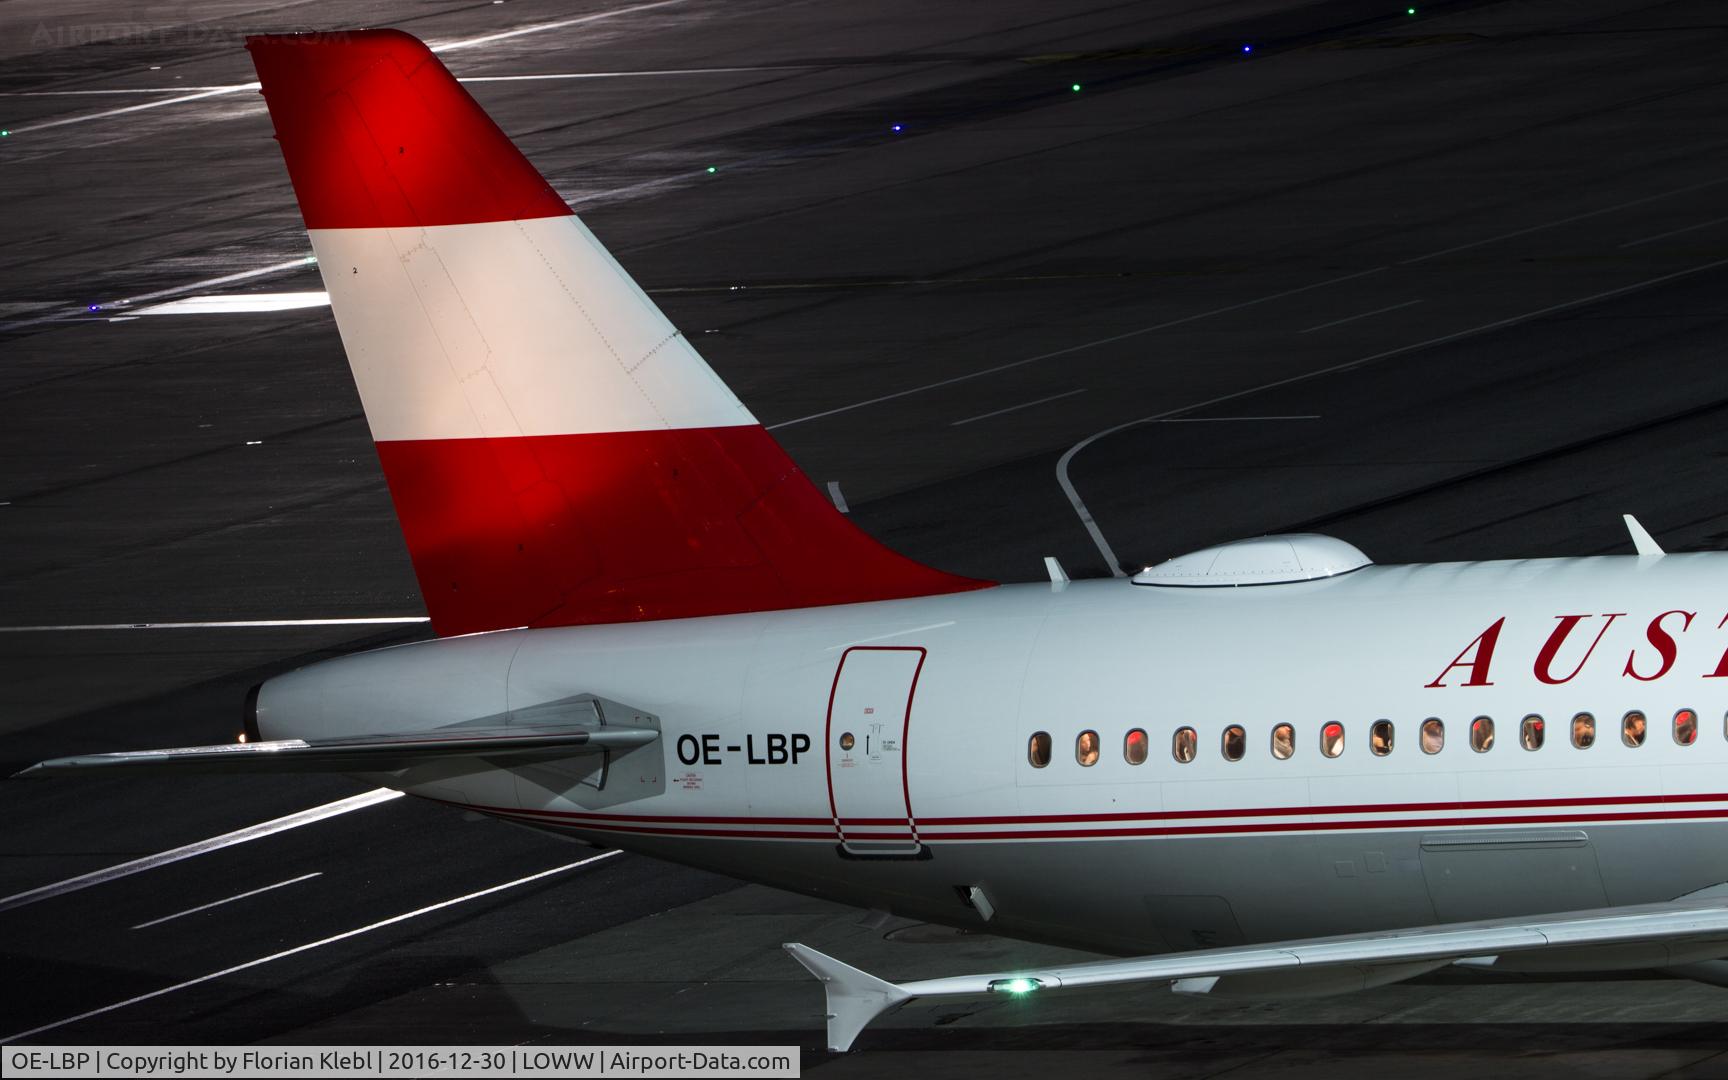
(512, 744)
(1675, 932)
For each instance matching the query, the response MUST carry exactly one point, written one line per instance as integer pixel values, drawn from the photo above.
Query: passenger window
(1182, 746)
(1633, 729)
(1531, 732)
(1482, 734)
(1583, 731)
(1283, 742)
(1086, 748)
(1685, 727)
(1380, 738)
(1038, 750)
(1332, 739)
(1134, 747)
(1433, 735)
(1235, 742)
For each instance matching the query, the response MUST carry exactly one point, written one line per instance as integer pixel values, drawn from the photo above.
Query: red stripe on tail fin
(363, 119)
(562, 530)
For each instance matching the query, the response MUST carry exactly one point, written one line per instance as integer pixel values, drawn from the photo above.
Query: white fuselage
(750, 776)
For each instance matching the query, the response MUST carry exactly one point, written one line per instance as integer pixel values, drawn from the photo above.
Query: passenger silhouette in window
(1583, 731)
(1134, 747)
(1283, 742)
(1184, 745)
(1633, 729)
(1332, 739)
(1531, 733)
(1038, 749)
(1482, 735)
(1380, 738)
(1433, 735)
(1235, 742)
(1685, 727)
(1086, 748)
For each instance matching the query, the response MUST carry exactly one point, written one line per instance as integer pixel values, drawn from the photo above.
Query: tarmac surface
(1449, 285)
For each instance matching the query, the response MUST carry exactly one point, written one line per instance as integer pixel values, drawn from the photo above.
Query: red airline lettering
(1481, 653)
(1545, 658)
(1721, 671)
(1666, 647)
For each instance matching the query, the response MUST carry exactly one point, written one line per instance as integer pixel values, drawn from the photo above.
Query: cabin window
(1235, 742)
(1135, 746)
(1531, 732)
(1283, 742)
(1634, 728)
(1583, 731)
(1183, 745)
(1433, 735)
(1086, 748)
(1332, 739)
(1380, 738)
(1038, 750)
(1482, 734)
(1685, 727)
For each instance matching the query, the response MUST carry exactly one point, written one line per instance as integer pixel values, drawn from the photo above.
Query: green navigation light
(1017, 986)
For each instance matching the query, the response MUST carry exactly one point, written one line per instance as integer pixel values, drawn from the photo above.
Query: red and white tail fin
(557, 452)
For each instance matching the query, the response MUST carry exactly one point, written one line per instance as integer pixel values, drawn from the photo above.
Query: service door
(869, 716)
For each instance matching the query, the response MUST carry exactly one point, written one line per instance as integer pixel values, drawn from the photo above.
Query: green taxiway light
(1075, 88)
(712, 169)
(1410, 11)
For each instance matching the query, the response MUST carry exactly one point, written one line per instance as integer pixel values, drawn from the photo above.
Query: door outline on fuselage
(909, 845)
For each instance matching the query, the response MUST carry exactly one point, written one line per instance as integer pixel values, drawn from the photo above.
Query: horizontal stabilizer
(515, 744)
(1698, 922)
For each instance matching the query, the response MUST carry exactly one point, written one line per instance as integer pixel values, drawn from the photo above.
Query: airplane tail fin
(557, 452)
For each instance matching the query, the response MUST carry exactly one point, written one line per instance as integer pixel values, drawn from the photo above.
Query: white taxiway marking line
(1085, 515)
(634, 74)
(389, 620)
(1561, 221)
(1353, 318)
(228, 900)
(1675, 232)
(1017, 408)
(839, 499)
(448, 46)
(125, 305)
(331, 940)
(130, 90)
(1078, 348)
(502, 35)
(123, 110)
(202, 847)
(238, 303)
(551, 75)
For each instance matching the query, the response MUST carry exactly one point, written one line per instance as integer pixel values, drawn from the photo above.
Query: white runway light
(238, 303)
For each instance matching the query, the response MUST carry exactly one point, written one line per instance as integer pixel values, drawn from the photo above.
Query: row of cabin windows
(1382, 736)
